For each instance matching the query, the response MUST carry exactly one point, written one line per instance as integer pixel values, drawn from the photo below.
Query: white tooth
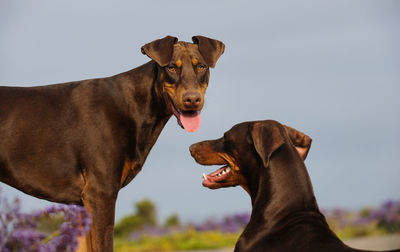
(228, 169)
(204, 176)
(219, 174)
(223, 172)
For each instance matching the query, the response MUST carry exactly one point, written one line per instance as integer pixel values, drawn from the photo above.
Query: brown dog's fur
(266, 159)
(81, 142)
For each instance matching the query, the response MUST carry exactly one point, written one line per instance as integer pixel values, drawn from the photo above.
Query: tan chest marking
(128, 168)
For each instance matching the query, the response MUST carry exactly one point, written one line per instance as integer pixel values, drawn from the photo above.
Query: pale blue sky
(328, 68)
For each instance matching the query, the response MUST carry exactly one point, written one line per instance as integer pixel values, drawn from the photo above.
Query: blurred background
(327, 68)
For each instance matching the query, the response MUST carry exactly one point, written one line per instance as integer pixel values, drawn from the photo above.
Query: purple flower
(230, 224)
(18, 231)
(387, 215)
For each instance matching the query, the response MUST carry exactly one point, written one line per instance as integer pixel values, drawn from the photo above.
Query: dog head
(184, 74)
(244, 150)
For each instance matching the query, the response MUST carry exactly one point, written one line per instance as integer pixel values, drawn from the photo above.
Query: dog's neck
(284, 205)
(145, 108)
(282, 191)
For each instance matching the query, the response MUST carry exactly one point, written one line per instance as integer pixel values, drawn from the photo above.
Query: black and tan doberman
(266, 159)
(81, 142)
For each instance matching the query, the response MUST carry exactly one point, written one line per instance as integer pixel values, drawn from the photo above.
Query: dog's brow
(227, 141)
(178, 63)
(195, 61)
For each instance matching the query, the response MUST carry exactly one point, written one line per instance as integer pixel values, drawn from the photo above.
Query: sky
(327, 68)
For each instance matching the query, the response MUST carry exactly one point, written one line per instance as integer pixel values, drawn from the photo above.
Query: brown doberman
(81, 142)
(266, 159)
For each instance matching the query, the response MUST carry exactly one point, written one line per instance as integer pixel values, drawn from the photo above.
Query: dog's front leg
(101, 205)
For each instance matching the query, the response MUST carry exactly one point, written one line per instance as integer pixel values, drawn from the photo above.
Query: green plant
(145, 215)
(127, 224)
(172, 221)
(188, 240)
(146, 210)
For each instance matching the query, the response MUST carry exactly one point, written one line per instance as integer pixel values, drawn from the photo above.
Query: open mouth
(215, 179)
(189, 120)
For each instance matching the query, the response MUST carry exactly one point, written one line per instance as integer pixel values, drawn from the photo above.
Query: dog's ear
(160, 50)
(210, 49)
(301, 141)
(267, 138)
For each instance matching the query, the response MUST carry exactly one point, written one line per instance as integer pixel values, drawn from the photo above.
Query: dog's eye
(201, 67)
(171, 69)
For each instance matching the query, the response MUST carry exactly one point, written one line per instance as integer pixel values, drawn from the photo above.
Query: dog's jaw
(212, 180)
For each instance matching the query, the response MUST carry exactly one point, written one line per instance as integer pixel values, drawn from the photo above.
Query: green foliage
(51, 223)
(146, 210)
(128, 224)
(188, 240)
(145, 215)
(172, 221)
(352, 231)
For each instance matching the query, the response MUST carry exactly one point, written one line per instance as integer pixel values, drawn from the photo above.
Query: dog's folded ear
(160, 50)
(301, 141)
(267, 138)
(210, 49)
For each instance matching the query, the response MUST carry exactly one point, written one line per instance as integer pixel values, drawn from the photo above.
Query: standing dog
(266, 159)
(81, 142)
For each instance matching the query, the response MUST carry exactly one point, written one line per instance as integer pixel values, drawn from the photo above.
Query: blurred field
(386, 242)
(390, 241)
(57, 227)
(368, 228)
(376, 242)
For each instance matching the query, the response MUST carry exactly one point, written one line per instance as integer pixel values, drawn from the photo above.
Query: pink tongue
(190, 123)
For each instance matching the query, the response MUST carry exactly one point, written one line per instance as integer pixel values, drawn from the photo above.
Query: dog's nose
(191, 100)
(191, 149)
